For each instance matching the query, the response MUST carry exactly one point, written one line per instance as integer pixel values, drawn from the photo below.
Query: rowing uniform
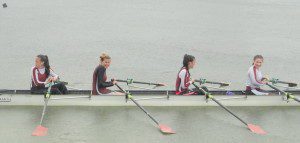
(254, 82)
(183, 81)
(99, 81)
(39, 80)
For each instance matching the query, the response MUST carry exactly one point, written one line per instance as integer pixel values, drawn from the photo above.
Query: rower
(100, 82)
(42, 74)
(184, 80)
(255, 78)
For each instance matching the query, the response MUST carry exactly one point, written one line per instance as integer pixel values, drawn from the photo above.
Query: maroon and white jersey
(254, 78)
(39, 77)
(182, 81)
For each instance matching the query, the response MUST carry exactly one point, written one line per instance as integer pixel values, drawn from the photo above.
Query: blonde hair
(104, 56)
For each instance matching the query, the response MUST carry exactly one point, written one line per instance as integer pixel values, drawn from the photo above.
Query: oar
(222, 84)
(290, 84)
(40, 130)
(287, 94)
(163, 128)
(252, 127)
(202, 81)
(130, 81)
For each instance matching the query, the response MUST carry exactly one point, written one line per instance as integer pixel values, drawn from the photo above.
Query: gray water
(147, 39)
(129, 124)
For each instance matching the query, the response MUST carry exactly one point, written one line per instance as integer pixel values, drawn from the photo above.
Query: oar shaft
(221, 105)
(213, 82)
(289, 83)
(120, 88)
(296, 99)
(137, 104)
(229, 111)
(46, 99)
(44, 110)
(145, 111)
(283, 82)
(140, 82)
(287, 94)
(275, 88)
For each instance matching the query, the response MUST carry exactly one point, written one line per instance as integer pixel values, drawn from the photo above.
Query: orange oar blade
(40, 131)
(256, 129)
(165, 129)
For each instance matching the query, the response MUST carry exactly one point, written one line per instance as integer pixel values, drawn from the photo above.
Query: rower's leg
(59, 89)
(200, 92)
(249, 92)
(35, 90)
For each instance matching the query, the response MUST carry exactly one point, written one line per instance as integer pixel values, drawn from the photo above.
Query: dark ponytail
(186, 59)
(44, 58)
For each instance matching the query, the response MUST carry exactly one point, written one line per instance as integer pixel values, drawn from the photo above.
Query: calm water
(129, 124)
(147, 39)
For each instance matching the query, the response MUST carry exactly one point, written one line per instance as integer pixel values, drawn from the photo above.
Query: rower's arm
(101, 82)
(53, 74)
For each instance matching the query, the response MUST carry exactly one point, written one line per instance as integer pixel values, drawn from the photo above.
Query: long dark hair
(44, 58)
(186, 59)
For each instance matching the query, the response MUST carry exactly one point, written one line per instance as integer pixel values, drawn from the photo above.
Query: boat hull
(145, 100)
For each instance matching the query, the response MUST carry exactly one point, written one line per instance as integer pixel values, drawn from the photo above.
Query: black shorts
(56, 89)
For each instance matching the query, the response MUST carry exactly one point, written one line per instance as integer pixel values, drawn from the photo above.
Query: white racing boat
(146, 98)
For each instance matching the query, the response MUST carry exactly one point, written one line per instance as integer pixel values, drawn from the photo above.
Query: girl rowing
(42, 75)
(100, 82)
(184, 80)
(255, 77)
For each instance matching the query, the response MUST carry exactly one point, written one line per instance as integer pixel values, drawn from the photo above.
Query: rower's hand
(49, 80)
(54, 79)
(192, 81)
(114, 81)
(265, 81)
